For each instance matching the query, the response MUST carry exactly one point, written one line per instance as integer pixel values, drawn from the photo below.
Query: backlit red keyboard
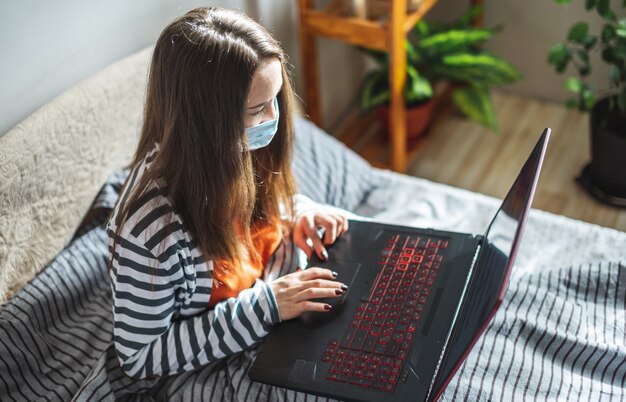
(375, 345)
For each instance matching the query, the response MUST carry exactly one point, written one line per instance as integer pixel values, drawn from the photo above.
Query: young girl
(209, 200)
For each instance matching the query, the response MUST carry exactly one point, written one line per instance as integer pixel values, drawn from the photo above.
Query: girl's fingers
(306, 235)
(320, 283)
(315, 306)
(344, 224)
(330, 235)
(317, 293)
(309, 230)
(318, 246)
(300, 239)
(314, 273)
(335, 225)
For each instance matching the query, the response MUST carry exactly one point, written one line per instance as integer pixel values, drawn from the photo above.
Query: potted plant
(605, 176)
(442, 52)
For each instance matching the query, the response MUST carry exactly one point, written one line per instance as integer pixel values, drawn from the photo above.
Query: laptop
(418, 300)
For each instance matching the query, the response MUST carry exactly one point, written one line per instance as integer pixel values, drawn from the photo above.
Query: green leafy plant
(576, 51)
(444, 52)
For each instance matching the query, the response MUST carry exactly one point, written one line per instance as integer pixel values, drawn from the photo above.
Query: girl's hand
(306, 225)
(294, 291)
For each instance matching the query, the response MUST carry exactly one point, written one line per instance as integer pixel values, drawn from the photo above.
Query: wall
(48, 46)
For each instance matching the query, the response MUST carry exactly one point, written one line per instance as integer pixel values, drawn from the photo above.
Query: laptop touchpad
(347, 272)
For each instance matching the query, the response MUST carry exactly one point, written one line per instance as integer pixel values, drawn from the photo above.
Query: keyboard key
(357, 341)
(380, 348)
(370, 343)
(392, 349)
(347, 337)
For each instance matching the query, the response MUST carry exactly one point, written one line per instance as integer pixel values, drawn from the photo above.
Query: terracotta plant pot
(418, 120)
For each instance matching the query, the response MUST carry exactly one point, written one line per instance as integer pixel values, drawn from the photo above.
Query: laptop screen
(497, 254)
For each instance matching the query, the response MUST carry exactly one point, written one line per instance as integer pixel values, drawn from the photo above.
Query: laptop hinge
(456, 315)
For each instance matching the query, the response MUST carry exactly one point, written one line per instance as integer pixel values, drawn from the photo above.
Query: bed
(559, 335)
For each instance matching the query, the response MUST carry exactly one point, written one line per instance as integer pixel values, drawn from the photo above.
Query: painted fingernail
(334, 274)
(328, 307)
(339, 291)
(325, 254)
(344, 287)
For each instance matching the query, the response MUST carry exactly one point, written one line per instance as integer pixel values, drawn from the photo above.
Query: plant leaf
(603, 7)
(608, 33)
(453, 41)
(412, 55)
(590, 4)
(573, 84)
(466, 20)
(590, 41)
(578, 32)
(582, 55)
(584, 68)
(374, 90)
(475, 102)
(611, 16)
(571, 103)
(619, 52)
(607, 55)
(476, 68)
(421, 29)
(614, 75)
(587, 99)
(562, 1)
(417, 87)
(559, 56)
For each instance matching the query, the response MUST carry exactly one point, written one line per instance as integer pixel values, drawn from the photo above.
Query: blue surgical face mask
(261, 135)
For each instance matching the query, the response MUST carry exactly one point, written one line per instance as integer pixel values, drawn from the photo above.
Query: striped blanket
(559, 335)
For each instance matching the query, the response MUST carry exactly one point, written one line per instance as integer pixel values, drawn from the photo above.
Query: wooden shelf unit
(389, 36)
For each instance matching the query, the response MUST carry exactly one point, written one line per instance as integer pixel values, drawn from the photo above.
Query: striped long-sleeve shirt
(161, 289)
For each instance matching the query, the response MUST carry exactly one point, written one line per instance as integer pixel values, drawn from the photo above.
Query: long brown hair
(199, 79)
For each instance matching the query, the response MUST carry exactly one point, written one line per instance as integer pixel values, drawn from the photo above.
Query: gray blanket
(559, 335)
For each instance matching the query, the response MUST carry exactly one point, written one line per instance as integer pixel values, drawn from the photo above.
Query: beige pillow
(54, 162)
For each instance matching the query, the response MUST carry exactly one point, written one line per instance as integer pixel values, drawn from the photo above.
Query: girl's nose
(272, 112)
